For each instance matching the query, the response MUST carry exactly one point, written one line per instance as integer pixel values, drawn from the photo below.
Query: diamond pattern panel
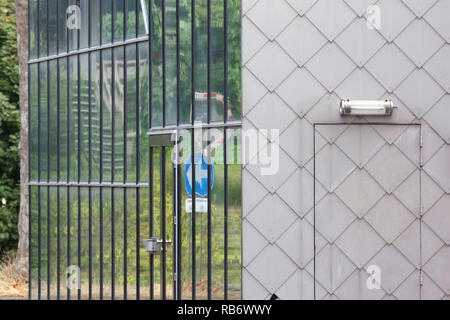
(299, 58)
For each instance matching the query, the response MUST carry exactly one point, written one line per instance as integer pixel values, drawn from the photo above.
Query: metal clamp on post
(155, 245)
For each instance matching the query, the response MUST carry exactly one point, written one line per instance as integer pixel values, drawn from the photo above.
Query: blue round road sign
(201, 175)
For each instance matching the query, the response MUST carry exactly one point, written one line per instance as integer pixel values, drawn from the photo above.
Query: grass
(13, 285)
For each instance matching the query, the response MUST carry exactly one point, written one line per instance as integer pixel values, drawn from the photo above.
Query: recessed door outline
(367, 211)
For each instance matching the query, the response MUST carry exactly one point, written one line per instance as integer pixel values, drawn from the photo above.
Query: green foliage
(9, 128)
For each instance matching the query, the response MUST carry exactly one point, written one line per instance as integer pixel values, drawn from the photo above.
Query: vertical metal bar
(39, 178)
(90, 164)
(58, 143)
(314, 210)
(225, 215)
(193, 147)
(48, 29)
(150, 64)
(101, 36)
(138, 162)
(30, 269)
(163, 39)
(209, 223)
(48, 168)
(178, 233)
(90, 242)
(101, 160)
(125, 245)
(125, 75)
(208, 72)
(124, 21)
(225, 64)
(152, 280)
(68, 164)
(38, 29)
(163, 222)
(113, 260)
(178, 58)
(113, 168)
(79, 234)
(174, 229)
(79, 159)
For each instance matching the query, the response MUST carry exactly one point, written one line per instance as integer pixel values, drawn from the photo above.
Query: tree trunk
(22, 46)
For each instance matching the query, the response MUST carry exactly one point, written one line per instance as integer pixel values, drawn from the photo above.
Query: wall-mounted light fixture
(366, 108)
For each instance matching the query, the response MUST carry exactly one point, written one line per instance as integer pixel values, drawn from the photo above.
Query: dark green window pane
(84, 117)
(52, 27)
(156, 69)
(217, 61)
(73, 118)
(95, 22)
(63, 124)
(95, 100)
(234, 58)
(53, 120)
(106, 21)
(43, 29)
(107, 116)
(142, 17)
(72, 13)
(62, 28)
(131, 114)
(34, 116)
(201, 60)
(130, 15)
(171, 62)
(119, 115)
(43, 121)
(143, 112)
(185, 62)
(84, 30)
(119, 17)
(33, 28)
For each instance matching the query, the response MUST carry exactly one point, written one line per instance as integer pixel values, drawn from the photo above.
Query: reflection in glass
(63, 124)
(143, 112)
(52, 27)
(73, 118)
(33, 126)
(33, 28)
(119, 115)
(84, 117)
(43, 121)
(95, 22)
(107, 115)
(53, 123)
(72, 33)
(131, 114)
(43, 29)
(118, 19)
(106, 21)
(62, 28)
(94, 101)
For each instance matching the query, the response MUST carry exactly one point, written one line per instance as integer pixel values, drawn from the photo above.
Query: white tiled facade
(299, 59)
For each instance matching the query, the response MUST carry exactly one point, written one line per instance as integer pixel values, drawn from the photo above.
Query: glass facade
(108, 81)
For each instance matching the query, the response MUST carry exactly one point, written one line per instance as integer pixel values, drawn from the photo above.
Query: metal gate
(367, 214)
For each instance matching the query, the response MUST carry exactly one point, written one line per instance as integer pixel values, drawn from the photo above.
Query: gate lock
(155, 245)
